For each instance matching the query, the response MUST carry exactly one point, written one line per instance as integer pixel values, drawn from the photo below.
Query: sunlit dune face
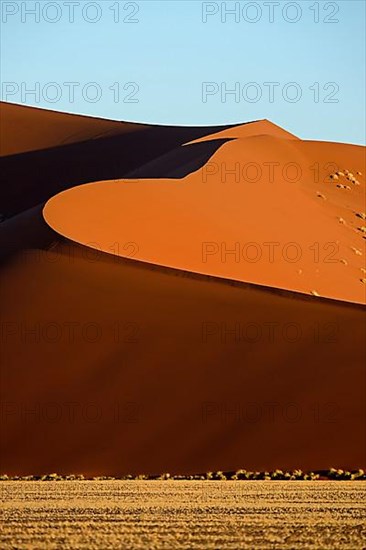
(263, 210)
(25, 129)
(259, 128)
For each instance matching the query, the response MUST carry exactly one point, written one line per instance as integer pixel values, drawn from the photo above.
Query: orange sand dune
(113, 368)
(140, 333)
(25, 128)
(45, 152)
(262, 210)
(257, 128)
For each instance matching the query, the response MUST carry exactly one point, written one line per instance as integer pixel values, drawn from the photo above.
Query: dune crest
(256, 128)
(262, 210)
(25, 129)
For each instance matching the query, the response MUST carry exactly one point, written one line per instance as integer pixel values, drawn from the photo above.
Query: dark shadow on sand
(30, 179)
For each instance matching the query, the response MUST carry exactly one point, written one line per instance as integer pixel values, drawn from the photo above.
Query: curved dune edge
(184, 376)
(255, 128)
(194, 224)
(27, 129)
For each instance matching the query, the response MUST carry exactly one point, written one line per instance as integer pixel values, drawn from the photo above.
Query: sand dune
(171, 389)
(259, 211)
(59, 144)
(25, 231)
(125, 350)
(25, 129)
(257, 128)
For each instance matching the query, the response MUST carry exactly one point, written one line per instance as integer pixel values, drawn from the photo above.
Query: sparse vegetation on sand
(238, 475)
(346, 174)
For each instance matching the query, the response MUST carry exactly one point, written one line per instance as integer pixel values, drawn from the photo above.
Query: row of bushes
(276, 475)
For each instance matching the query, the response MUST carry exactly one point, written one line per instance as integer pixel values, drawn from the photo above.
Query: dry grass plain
(182, 515)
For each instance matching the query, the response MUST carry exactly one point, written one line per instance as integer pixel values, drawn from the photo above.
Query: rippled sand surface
(182, 515)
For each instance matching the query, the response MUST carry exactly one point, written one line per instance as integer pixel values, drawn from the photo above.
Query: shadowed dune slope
(25, 231)
(263, 210)
(25, 129)
(46, 152)
(28, 228)
(110, 367)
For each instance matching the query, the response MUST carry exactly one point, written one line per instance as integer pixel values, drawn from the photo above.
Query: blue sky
(174, 62)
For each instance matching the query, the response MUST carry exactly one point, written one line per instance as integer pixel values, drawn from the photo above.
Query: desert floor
(185, 515)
